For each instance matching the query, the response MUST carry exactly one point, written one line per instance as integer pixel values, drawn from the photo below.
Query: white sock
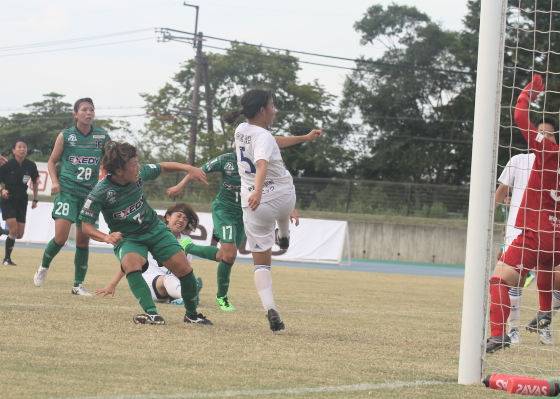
(173, 286)
(283, 227)
(263, 282)
(555, 301)
(515, 297)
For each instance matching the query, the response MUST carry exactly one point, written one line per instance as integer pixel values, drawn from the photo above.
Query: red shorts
(530, 249)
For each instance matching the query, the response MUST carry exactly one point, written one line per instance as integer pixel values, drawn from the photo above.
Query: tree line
(415, 102)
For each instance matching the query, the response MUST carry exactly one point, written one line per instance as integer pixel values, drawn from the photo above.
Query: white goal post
(483, 182)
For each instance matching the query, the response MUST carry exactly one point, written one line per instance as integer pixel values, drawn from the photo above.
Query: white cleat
(514, 335)
(40, 276)
(545, 336)
(80, 290)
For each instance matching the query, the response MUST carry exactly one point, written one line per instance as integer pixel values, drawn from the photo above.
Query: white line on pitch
(262, 392)
(237, 309)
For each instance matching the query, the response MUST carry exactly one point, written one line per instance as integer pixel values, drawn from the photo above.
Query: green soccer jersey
(81, 159)
(230, 189)
(124, 208)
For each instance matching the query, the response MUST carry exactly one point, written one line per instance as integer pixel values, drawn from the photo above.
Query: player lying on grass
(135, 228)
(538, 219)
(164, 285)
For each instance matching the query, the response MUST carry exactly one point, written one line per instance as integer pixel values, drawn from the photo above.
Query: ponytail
(251, 103)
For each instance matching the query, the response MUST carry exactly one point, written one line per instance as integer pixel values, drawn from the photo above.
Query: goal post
(482, 186)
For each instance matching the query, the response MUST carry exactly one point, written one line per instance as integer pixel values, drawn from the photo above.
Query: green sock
(202, 251)
(80, 265)
(141, 291)
(50, 252)
(224, 271)
(189, 292)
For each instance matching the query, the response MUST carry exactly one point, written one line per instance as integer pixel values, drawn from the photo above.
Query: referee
(14, 176)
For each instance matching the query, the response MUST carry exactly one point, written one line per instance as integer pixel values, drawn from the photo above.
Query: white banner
(314, 240)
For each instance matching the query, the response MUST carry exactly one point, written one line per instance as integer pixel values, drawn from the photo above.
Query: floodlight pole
(483, 183)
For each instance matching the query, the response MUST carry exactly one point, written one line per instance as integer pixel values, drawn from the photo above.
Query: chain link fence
(341, 195)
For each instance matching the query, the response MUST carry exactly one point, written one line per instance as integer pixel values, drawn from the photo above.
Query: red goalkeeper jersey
(539, 209)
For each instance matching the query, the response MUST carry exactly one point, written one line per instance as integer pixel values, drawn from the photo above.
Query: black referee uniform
(14, 177)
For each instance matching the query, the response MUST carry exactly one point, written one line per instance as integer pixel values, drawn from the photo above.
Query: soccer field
(348, 334)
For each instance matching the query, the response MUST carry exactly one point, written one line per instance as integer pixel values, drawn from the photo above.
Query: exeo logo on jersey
(111, 193)
(131, 209)
(72, 137)
(74, 160)
(228, 166)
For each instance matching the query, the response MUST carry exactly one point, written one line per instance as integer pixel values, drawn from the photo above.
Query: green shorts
(68, 206)
(228, 223)
(159, 241)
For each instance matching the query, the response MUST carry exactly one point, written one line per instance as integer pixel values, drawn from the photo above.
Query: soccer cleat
(197, 318)
(224, 303)
(542, 320)
(148, 318)
(282, 242)
(40, 276)
(530, 278)
(514, 335)
(276, 323)
(545, 336)
(178, 302)
(495, 343)
(8, 262)
(80, 290)
(185, 243)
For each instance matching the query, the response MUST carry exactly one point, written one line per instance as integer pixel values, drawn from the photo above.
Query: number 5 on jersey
(245, 159)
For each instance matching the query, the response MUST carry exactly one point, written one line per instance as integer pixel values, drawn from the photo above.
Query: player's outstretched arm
(176, 190)
(292, 140)
(196, 173)
(111, 287)
(89, 230)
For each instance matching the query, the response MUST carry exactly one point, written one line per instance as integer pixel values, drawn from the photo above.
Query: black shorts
(14, 209)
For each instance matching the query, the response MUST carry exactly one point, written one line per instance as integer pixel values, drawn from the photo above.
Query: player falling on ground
(267, 190)
(135, 228)
(80, 148)
(15, 175)
(539, 221)
(164, 285)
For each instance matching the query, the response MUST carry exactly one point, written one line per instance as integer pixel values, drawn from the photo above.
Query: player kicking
(164, 285)
(538, 242)
(267, 190)
(135, 228)
(80, 148)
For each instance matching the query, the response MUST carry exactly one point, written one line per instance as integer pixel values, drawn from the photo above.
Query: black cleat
(276, 323)
(495, 343)
(8, 262)
(542, 320)
(282, 242)
(148, 318)
(197, 318)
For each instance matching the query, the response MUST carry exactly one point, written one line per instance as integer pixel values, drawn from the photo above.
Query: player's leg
(165, 249)
(81, 258)
(516, 299)
(10, 240)
(202, 251)
(556, 293)
(283, 233)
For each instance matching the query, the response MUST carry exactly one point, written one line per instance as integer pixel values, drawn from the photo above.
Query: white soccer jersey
(516, 174)
(253, 143)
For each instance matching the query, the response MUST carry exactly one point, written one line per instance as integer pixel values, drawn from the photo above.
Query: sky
(113, 70)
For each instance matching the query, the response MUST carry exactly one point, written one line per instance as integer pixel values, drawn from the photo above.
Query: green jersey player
(80, 149)
(135, 228)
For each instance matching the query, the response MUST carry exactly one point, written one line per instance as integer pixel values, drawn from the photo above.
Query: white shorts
(151, 279)
(260, 224)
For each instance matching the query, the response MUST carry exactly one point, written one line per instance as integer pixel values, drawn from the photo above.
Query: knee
(229, 257)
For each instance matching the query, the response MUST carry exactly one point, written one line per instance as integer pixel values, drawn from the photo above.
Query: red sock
(544, 286)
(500, 306)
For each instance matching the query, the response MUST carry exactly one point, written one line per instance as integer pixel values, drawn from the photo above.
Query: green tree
(301, 107)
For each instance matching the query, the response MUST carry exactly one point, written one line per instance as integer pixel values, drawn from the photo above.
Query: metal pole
(196, 99)
(208, 95)
(195, 22)
(483, 177)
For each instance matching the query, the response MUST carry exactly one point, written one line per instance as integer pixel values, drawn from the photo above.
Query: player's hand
(173, 191)
(314, 134)
(533, 89)
(2, 160)
(294, 217)
(114, 238)
(109, 290)
(197, 174)
(33, 205)
(255, 200)
(5, 194)
(55, 188)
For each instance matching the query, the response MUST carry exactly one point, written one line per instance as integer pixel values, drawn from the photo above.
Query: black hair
(20, 140)
(550, 121)
(189, 212)
(251, 103)
(117, 155)
(83, 100)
